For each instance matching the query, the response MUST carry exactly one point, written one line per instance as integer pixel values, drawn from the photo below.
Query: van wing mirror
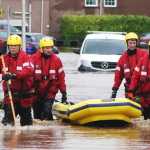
(76, 50)
(75, 46)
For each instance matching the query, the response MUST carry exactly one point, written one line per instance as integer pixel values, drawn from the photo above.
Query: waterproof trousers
(23, 112)
(42, 109)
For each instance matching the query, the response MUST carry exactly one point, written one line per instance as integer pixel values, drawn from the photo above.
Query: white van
(100, 51)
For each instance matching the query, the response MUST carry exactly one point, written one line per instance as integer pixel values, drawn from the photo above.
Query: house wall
(64, 7)
(136, 7)
(55, 9)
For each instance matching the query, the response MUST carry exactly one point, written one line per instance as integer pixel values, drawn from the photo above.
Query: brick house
(95, 7)
(46, 13)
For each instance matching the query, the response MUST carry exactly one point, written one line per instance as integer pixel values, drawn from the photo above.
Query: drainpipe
(30, 16)
(23, 24)
(100, 7)
(42, 7)
(8, 20)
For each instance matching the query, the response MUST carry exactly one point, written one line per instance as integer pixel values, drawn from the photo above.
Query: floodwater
(56, 135)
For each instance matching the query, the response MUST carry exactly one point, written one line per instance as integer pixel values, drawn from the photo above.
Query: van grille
(104, 65)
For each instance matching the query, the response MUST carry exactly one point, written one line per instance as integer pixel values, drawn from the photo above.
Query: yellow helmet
(14, 40)
(46, 41)
(131, 35)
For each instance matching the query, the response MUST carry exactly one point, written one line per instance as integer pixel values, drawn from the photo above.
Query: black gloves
(8, 76)
(64, 97)
(146, 112)
(114, 93)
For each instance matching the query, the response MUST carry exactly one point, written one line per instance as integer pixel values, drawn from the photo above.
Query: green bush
(76, 27)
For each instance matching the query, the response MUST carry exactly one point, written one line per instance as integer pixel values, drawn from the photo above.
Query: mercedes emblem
(104, 65)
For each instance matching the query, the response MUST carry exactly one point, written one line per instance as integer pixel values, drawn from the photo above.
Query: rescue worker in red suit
(20, 72)
(49, 77)
(127, 63)
(140, 85)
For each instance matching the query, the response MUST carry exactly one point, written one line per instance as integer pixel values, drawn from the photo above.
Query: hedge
(75, 27)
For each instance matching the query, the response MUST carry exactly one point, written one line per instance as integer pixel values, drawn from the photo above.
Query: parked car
(32, 42)
(144, 39)
(101, 51)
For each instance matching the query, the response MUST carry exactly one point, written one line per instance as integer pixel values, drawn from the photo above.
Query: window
(110, 3)
(91, 3)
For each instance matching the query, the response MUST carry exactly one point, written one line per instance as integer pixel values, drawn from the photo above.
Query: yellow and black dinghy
(98, 112)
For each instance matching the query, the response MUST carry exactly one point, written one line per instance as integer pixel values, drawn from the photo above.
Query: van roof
(107, 32)
(105, 36)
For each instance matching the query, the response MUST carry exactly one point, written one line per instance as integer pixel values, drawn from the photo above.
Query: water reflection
(30, 138)
(128, 138)
(58, 135)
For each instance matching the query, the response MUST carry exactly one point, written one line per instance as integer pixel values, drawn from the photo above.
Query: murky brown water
(57, 135)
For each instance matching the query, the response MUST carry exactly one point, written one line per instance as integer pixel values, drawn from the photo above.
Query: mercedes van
(101, 51)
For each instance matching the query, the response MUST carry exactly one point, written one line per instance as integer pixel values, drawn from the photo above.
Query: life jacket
(129, 68)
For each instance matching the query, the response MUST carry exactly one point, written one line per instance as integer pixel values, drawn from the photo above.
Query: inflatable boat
(98, 112)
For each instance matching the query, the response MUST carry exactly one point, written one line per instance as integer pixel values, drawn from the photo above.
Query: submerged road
(83, 86)
(56, 135)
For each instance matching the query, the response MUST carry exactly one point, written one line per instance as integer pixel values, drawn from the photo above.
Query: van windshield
(104, 46)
